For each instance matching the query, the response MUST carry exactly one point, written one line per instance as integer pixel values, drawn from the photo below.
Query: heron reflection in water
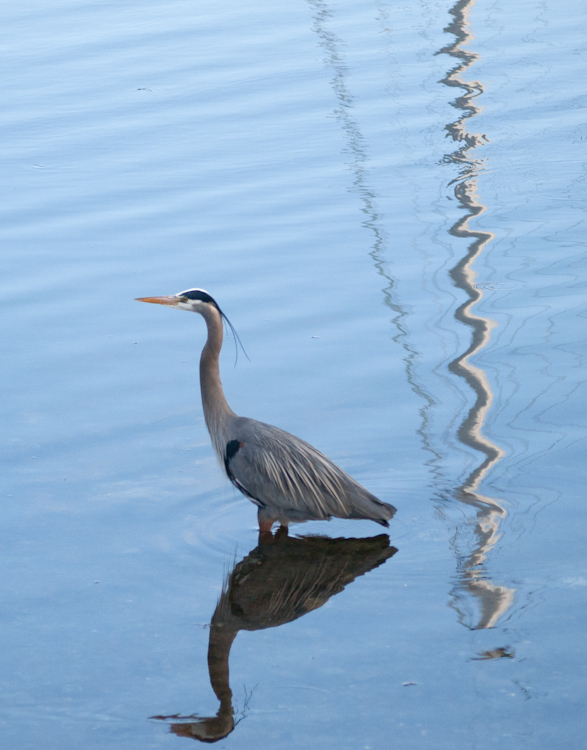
(282, 579)
(288, 479)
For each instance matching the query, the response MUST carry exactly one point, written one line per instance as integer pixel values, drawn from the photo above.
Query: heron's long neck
(216, 408)
(221, 637)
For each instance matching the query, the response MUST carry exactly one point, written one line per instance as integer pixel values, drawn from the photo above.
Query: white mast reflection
(493, 600)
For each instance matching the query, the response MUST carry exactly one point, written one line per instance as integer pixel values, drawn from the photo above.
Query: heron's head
(194, 300)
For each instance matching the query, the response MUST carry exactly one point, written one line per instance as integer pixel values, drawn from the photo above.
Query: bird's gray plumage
(288, 479)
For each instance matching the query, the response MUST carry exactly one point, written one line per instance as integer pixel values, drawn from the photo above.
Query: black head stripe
(198, 294)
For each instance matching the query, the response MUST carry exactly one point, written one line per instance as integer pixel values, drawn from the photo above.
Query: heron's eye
(183, 299)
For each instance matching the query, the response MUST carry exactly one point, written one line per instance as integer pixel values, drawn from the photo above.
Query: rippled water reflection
(388, 201)
(494, 600)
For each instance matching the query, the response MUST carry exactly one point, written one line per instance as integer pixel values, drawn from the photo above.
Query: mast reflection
(280, 580)
(493, 600)
(357, 150)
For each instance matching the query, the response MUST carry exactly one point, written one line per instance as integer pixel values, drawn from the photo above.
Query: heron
(288, 479)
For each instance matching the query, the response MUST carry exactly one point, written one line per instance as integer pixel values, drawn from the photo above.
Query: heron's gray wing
(277, 469)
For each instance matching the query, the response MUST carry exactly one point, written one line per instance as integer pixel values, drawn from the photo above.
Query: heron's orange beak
(172, 301)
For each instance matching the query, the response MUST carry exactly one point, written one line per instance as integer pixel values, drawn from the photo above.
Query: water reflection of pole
(334, 49)
(493, 600)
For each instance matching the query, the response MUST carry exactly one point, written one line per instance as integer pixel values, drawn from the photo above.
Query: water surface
(388, 201)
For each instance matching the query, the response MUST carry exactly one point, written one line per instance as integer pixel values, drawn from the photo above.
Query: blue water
(388, 201)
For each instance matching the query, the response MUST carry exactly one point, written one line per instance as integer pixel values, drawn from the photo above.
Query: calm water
(388, 200)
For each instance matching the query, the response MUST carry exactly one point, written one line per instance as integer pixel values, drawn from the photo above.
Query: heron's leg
(265, 523)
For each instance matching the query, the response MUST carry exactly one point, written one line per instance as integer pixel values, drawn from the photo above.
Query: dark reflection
(505, 652)
(493, 600)
(334, 58)
(282, 579)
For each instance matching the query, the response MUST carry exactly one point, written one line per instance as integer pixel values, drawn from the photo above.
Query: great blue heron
(288, 479)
